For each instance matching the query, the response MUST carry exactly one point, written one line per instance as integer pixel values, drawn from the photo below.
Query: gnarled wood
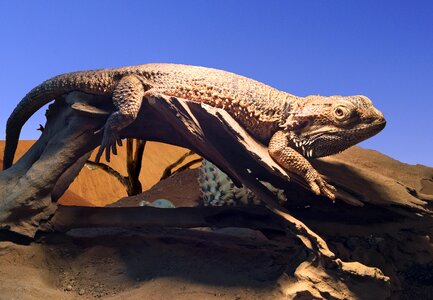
(30, 188)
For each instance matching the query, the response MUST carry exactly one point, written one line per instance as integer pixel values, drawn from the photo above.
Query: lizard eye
(341, 113)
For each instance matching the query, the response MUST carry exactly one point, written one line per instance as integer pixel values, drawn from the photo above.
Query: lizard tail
(95, 82)
(24, 110)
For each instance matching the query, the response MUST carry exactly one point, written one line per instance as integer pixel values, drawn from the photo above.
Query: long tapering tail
(24, 110)
(96, 82)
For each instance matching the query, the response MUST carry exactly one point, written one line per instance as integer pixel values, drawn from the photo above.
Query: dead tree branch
(30, 188)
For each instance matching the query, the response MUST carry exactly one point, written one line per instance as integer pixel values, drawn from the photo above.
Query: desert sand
(203, 263)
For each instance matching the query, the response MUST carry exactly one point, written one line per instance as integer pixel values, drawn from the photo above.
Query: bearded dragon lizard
(294, 128)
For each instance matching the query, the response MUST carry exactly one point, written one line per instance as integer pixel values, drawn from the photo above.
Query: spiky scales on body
(292, 127)
(217, 189)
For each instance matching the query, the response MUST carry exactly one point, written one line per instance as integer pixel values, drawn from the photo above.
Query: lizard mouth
(324, 143)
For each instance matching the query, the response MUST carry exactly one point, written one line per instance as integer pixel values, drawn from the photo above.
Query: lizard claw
(319, 186)
(108, 145)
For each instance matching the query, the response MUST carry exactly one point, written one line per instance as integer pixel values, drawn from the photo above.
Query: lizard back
(256, 106)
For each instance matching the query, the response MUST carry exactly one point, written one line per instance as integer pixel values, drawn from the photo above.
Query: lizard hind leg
(127, 98)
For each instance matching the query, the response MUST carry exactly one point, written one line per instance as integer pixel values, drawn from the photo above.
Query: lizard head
(319, 126)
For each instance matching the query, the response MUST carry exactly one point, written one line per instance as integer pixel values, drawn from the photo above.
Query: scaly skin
(293, 127)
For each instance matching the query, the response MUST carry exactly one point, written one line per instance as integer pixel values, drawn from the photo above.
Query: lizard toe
(319, 186)
(327, 189)
(108, 145)
(114, 148)
(99, 154)
(107, 153)
(315, 188)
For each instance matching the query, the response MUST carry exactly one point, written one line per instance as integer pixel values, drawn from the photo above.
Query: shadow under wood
(199, 256)
(186, 264)
(256, 217)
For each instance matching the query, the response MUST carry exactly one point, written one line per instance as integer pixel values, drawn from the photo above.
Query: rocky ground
(151, 265)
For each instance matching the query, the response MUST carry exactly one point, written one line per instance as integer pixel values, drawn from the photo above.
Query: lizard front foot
(127, 97)
(108, 144)
(293, 161)
(319, 186)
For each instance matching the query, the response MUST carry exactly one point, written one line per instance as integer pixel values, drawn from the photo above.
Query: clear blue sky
(382, 49)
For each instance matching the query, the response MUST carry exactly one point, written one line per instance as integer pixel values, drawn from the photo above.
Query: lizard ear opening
(303, 124)
(295, 125)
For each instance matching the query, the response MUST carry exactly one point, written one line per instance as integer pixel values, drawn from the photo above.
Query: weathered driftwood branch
(109, 170)
(29, 190)
(169, 169)
(52, 163)
(134, 161)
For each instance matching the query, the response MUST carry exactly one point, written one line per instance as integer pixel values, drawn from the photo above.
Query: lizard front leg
(127, 98)
(293, 161)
